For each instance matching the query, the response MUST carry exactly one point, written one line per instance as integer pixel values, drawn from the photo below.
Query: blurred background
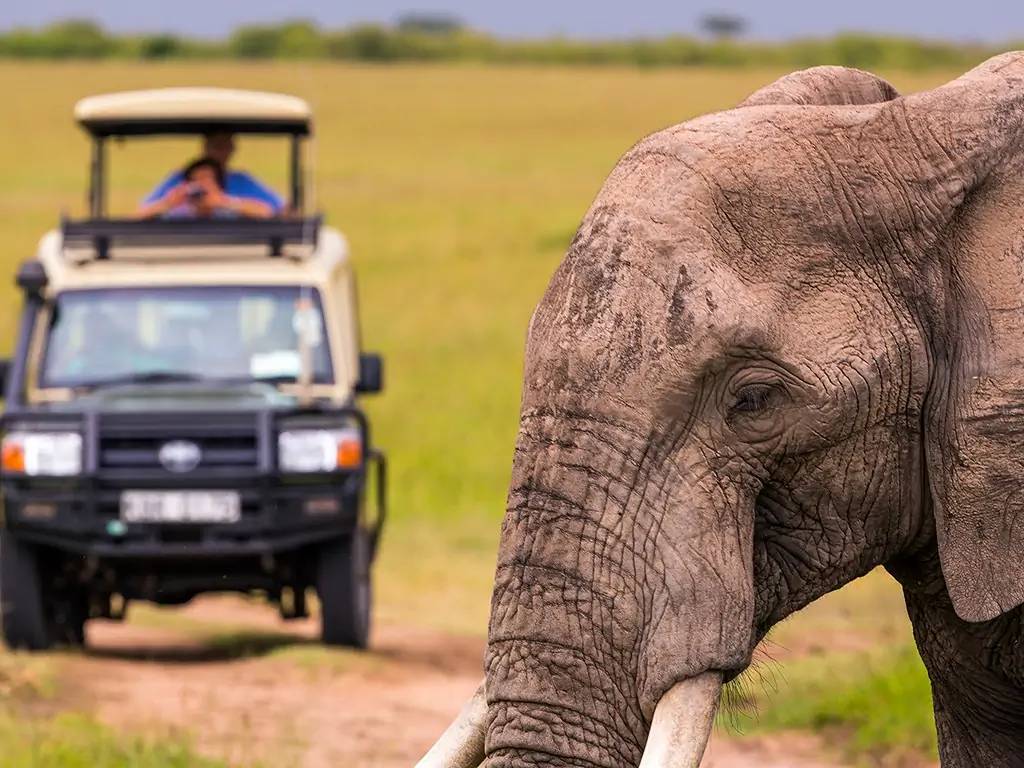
(458, 149)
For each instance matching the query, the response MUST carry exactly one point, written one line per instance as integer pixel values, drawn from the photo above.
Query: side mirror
(371, 373)
(31, 277)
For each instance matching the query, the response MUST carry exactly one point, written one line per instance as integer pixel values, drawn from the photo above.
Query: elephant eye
(753, 398)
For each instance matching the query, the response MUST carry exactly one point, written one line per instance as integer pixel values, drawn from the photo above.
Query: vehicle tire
(67, 620)
(25, 624)
(345, 592)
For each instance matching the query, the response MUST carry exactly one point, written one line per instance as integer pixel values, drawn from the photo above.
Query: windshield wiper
(149, 377)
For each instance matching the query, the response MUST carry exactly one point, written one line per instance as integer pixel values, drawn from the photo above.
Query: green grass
(874, 705)
(78, 741)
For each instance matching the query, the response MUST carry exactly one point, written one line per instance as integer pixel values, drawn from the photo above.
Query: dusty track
(247, 687)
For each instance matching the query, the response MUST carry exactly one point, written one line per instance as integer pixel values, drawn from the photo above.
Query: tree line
(433, 40)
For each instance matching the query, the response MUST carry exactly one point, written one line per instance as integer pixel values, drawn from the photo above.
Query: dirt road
(247, 687)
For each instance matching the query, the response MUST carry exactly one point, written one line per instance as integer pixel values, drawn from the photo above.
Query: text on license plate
(180, 507)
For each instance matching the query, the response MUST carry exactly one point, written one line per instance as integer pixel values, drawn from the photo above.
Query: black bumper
(86, 522)
(279, 513)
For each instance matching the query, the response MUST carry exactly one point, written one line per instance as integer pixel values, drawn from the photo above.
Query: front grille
(134, 442)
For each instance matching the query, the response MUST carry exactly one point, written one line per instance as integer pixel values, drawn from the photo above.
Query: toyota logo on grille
(180, 456)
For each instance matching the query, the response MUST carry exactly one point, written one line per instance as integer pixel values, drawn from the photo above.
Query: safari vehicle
(181, 407)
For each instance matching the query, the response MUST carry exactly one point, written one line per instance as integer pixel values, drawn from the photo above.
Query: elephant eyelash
(753, 398)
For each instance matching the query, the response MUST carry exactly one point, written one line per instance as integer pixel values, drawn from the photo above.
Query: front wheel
(25, 622)
(344, 590)
(68, 615)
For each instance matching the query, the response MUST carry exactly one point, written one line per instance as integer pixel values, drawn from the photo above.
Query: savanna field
(459, 188)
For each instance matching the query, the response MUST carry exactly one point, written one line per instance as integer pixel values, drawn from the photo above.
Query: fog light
(37, 511)
(324, 506)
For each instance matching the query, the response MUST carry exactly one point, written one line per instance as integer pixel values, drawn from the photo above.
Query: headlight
(42, 453)
(319, 450)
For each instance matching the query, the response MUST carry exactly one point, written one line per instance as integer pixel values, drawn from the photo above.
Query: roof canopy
(192, 110)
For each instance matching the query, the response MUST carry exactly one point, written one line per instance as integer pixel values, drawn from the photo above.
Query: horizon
(989, 21)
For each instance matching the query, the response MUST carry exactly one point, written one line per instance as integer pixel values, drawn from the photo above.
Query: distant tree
(859, 50)
(296, 38)
(299, 39)
(160, 47)
(255, 41)
(363, 42)
(429, 23)
(75, 38)
(723, 26)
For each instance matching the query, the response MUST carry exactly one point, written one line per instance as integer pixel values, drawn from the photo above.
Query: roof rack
(102, 235)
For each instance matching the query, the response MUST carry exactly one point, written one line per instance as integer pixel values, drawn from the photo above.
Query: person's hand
(176, 195)
(215, 197)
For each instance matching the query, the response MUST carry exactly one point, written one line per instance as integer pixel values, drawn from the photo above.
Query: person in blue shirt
(200, 195)
(242, 194)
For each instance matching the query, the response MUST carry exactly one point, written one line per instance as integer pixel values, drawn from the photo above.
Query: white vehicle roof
(183, 110)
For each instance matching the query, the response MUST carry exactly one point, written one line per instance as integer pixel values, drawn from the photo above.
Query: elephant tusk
(682, 723)
(462, 745)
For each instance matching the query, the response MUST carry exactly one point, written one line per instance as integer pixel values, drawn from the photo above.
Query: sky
(981, 20)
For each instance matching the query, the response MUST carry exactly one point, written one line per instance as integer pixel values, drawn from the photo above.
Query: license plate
(180, 507)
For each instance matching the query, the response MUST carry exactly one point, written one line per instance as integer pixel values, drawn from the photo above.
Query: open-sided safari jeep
(181, 408)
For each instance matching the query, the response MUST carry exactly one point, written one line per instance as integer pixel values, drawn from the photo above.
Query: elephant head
(785, 346)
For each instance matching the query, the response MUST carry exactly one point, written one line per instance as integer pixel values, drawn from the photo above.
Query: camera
(196, 192)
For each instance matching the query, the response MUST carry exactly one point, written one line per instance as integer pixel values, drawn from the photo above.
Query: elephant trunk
(559, 692)
(564, 634)
(603, 605)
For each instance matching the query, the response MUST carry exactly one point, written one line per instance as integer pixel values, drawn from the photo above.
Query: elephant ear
(971, 133)
(821, 86)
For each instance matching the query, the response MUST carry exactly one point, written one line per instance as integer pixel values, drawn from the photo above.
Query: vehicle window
(202, 333)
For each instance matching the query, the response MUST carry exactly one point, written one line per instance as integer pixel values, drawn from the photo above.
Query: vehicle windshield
(218, 333)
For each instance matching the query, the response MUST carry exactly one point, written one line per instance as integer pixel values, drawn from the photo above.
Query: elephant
(785, 346)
